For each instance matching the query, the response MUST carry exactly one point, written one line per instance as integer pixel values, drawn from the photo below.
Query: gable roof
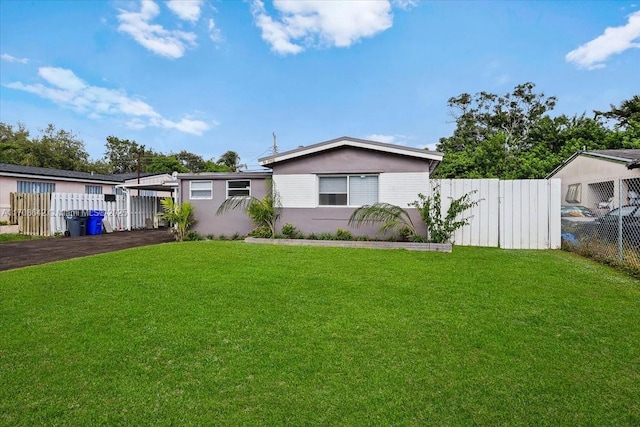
(7, 169)
(628, 156)
(346, 141)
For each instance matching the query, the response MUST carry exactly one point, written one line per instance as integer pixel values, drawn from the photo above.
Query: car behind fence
(608, 231)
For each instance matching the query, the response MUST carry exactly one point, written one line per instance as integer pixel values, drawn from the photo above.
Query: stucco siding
(591, 172)
(329, 219)
(402, 188)
(235, 221)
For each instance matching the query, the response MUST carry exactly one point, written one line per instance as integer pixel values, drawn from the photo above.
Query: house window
(117, 191)
(36, 187)
(201, 189)
(350, 190)
(574, 193)
(239, 188)
(93, 189)
(152, 193)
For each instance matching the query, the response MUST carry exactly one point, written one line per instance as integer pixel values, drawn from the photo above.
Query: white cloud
(399, 140)
(405, 4)
(167, 43)
(306, 23)
(388, 139)
(593, 54)
(9, 58)
(214, 32)
(188, 10)
(66, 89)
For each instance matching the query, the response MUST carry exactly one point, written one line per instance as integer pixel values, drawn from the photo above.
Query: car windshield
(623, 211)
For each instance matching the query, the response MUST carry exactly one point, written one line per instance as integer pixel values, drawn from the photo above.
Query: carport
(172, 187)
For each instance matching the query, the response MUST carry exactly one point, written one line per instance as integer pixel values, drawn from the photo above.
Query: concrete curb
(427, 247)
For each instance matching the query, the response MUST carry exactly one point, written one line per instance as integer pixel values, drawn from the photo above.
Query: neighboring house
(319, 186)
(30, 179)
(599, 179)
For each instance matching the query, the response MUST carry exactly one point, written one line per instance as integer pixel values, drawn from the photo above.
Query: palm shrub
(264, 213)
(392, 217)
(180, 215)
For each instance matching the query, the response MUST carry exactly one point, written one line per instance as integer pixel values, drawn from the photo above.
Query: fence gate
(515, 214)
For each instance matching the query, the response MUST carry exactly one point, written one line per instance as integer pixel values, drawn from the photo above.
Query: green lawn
(226, 333)
(16, 237)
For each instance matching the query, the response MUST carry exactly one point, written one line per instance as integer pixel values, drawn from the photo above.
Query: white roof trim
(387, 148)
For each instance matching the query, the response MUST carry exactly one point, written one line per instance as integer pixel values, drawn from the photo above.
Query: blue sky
(211, 76)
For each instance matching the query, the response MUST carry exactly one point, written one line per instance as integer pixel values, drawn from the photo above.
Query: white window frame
(210, 189)
(36, 187)
(97, 188)
(248, 187)
(348, 177)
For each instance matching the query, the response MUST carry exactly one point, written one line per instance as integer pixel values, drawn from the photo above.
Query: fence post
(620, 252)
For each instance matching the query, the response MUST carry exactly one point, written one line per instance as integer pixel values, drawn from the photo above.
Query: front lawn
(225, 333)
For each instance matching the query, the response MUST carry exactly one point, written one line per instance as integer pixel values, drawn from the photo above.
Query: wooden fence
(31, 213)
(44, 214)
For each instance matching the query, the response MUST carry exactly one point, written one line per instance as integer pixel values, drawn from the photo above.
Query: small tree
(394, 217)
(430, 208)
(180, 215)
(263, 212)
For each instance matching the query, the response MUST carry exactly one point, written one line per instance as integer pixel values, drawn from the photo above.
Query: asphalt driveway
(41, 251)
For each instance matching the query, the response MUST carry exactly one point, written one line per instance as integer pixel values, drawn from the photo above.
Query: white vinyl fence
(143, 208)
(516, 214)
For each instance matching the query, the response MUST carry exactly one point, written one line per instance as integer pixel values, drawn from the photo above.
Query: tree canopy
(60, 149)
(513, 136)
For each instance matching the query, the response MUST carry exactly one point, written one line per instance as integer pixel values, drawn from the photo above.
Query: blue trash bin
(94, 222)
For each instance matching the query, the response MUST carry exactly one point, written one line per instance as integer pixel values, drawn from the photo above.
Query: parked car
(607, 226)
(576, 212)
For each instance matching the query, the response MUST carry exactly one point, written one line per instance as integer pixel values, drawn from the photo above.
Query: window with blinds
(36, 187)
(201, 189)
(93, 189)
(349, 190)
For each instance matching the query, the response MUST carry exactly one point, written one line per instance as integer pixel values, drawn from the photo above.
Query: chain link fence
(602, 221)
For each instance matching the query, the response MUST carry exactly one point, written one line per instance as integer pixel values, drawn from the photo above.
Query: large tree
(58, 149)
(513, 136)
(122, 154)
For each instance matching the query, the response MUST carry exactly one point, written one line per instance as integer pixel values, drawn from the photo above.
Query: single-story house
(319, 186)
(600, 179)
(31, 179)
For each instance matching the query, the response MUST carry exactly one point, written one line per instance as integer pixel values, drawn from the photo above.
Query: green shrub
(290, 231)
(4, 222)
(191, 236)
(325, 236)
(262, 232)
(343, 234)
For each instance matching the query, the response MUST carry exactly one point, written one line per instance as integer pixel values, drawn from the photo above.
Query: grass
(11, 237)
(224, 333)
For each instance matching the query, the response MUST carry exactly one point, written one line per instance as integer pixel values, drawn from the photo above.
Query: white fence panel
(142, 208)
(530, 214)
(483, 228)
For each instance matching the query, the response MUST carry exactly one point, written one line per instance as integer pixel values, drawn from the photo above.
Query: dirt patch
(41, 251)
